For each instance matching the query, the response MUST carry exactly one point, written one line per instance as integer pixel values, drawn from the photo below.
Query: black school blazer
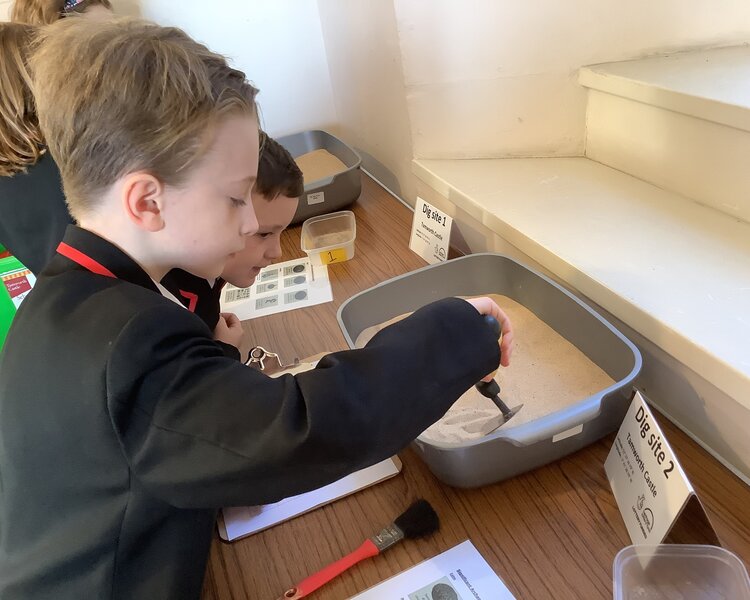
(124, 427)
(33, 214)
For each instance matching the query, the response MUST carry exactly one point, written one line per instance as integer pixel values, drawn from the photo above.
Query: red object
(307, 586)
(192, 299)
(17, 286)
(5, 254)
(84, 260)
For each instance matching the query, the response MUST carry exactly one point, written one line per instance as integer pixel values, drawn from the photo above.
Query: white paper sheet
(457, 574)
(279, 288)
(243, 521)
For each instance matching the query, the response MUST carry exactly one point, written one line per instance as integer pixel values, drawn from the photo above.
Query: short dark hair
(278, 174)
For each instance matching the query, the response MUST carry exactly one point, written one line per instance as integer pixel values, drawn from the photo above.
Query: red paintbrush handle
(307, 586)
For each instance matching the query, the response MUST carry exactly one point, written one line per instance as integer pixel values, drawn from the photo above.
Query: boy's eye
(265, 235)
(237, 201)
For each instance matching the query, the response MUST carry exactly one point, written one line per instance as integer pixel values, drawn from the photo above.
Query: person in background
(275, 197)
(125, 425)
(33, 214)
(44, 12)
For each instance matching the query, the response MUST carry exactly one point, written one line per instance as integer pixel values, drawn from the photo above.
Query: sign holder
(655, 497)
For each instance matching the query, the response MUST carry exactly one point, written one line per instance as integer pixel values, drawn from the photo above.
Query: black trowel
(491, 389)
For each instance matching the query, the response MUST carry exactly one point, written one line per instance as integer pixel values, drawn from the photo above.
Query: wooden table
(551, 533)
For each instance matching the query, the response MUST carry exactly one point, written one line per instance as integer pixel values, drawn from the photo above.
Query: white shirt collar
(167, 294)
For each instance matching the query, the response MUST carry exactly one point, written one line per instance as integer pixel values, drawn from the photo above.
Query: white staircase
(652, 225)
(681, 122)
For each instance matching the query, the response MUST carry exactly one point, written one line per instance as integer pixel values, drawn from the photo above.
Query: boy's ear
(142, 198)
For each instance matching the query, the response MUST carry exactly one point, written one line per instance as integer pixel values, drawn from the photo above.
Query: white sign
(650, 487)
(430, 232)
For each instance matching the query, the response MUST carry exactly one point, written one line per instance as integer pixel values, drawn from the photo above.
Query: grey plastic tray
(330, 193)
(509, 450)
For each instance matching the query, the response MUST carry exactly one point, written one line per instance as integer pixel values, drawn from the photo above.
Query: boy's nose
(274, 251)
(249, 220)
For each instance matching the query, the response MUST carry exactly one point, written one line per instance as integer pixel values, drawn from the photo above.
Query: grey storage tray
(338, 190)
(510, 450)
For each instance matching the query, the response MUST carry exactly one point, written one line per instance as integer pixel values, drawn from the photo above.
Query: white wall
(491, 78)
(364, 61)
(278, 44)
(438, 78)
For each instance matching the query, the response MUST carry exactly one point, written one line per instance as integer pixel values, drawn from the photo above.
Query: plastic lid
(684, 571)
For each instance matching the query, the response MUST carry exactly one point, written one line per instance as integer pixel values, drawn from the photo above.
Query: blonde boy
(123, 425)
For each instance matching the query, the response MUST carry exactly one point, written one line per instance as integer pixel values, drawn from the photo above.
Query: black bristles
(419, 520)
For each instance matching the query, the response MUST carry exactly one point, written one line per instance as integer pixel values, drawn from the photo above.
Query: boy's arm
(228, 334)
(200, 430)
(229, 350)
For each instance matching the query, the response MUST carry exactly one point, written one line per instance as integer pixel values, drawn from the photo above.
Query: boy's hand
(229, 330)
(487, 306)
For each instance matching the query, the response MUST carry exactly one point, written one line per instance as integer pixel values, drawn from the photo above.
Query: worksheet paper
(457, 574)
(279, 288)
(243, 521)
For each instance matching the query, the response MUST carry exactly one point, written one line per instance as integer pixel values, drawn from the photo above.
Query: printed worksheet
(279, 288)
(460, 573)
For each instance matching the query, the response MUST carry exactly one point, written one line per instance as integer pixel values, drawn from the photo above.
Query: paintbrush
(417, 521)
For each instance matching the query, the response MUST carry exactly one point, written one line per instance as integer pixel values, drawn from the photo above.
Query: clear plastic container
(679, 572)
(329, 239)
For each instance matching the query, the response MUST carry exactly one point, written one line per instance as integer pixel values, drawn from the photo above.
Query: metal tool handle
(488, 389)
(491, 389)
(494, 324)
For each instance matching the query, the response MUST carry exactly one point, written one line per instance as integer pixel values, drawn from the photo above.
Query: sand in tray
(319, 164)
(331, 239)
(546, 374)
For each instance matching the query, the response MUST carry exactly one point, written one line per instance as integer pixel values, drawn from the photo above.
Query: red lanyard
(95, 267)
(84, 260)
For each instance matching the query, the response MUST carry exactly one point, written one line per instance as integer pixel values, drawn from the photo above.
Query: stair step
(708, 84)
(681, 122)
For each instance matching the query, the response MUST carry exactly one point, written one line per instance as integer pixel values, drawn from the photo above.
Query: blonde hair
(21, 142)
(126, 95)
(44, 12)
